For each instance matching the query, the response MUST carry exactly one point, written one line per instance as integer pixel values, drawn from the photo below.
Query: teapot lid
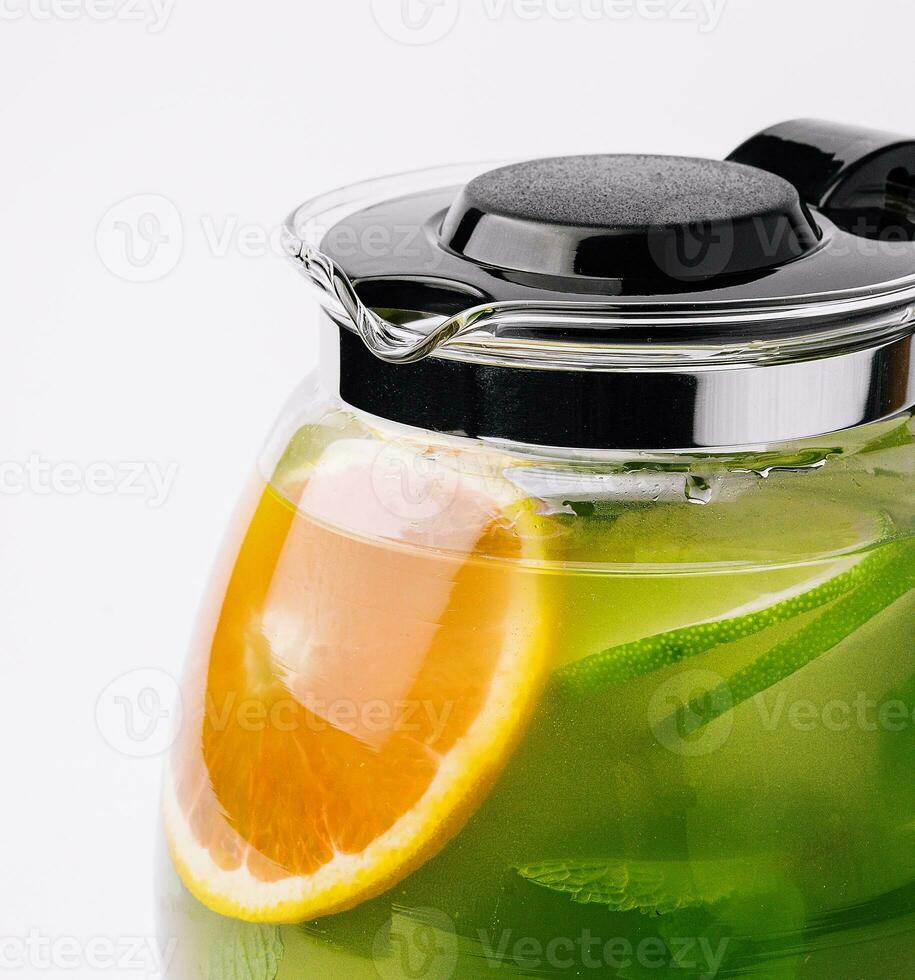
(665, 302)
(647, 223)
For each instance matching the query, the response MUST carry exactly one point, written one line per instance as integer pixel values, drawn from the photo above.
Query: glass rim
(653, 334)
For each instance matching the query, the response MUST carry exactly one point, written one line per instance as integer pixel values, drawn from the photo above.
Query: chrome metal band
(693, 407)
(680, 374)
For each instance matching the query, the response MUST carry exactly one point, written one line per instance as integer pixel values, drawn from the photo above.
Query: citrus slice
(358, 694)
(625, 662)
(303, 451)
(889, 576)
(782, 525)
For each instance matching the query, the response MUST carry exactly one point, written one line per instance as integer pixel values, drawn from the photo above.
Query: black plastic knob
(629, 217)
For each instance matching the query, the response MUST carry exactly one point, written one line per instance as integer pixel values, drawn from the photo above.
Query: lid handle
(861, 179)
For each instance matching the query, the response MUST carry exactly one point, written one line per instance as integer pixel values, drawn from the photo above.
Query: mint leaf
(245, 951)
(651, 887)
(705, 912)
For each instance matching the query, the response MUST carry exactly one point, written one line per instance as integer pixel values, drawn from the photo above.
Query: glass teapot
(568, 630)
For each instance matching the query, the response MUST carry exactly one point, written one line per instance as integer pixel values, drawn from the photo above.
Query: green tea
(701, 765)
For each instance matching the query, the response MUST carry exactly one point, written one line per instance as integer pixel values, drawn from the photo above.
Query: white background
(235, 111)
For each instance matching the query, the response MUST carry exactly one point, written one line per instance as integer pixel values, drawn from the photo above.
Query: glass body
(698, 758)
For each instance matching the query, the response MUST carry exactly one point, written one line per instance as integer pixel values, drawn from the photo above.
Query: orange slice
(357, 697)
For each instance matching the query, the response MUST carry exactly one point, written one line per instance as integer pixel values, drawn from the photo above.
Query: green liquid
(632, 835)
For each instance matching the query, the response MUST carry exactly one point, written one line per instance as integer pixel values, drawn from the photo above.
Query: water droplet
(697, 489)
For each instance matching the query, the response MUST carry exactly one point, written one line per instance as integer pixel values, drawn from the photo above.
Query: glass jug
(568, 627)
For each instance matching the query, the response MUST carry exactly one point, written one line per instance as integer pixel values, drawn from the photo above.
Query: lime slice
(888, 577)
(776, 523)
(638, 571)
(898, 435)
(307, 446)
(630, 660)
